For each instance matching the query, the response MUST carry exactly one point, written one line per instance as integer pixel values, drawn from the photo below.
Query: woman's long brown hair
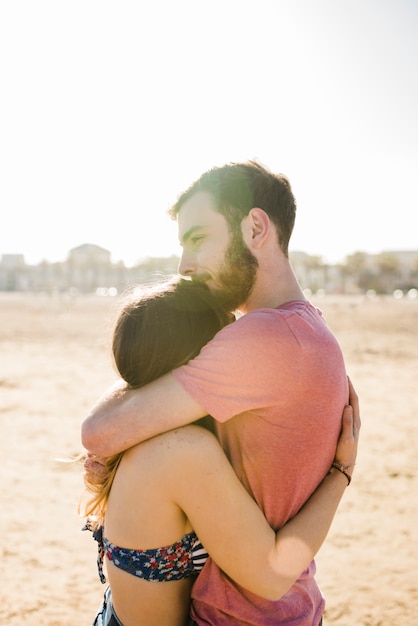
(160, 329)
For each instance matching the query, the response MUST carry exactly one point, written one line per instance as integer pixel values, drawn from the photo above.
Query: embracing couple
(216, 520)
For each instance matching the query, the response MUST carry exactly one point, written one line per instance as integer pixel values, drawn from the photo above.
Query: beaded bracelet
(342, 468)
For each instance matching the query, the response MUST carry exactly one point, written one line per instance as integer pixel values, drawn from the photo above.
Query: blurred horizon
(140, 259)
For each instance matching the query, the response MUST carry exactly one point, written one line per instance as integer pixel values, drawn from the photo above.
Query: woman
(179, 485)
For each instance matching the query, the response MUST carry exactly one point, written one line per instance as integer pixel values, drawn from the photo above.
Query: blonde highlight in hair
(100, 487)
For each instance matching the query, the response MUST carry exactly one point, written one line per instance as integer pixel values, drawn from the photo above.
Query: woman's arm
(232, 527)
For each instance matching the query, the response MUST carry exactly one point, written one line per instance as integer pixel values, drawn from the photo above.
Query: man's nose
(187, 265)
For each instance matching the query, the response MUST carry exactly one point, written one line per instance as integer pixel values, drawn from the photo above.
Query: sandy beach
(55, 361)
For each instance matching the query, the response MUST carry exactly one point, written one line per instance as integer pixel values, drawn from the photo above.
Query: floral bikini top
(182, 559)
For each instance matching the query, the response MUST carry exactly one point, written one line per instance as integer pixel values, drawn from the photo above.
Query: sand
(55, 362)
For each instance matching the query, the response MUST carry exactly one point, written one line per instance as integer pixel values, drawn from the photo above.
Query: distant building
(89, 254)
(87, 267)
(13, 274)
(12, 261)
(406, 267)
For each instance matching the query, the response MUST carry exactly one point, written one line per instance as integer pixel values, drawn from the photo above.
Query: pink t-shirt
(276, 384)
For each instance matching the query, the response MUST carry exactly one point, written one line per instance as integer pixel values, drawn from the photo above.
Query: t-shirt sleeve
(245, 366)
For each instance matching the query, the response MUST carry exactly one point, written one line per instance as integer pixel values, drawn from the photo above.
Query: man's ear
(259, 226)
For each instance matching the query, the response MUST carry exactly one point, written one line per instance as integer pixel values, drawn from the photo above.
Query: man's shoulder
(276, 319)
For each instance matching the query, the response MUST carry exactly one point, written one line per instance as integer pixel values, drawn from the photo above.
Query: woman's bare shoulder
(187, 440)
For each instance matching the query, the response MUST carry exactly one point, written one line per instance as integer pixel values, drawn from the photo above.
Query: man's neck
(273, 290)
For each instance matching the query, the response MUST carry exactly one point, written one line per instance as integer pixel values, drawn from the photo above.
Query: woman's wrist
(343, 469)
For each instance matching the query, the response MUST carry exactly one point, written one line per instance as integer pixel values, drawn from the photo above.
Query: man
(274, 380)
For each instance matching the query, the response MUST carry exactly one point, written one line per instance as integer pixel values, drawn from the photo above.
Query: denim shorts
(193, 623)
(106, 615)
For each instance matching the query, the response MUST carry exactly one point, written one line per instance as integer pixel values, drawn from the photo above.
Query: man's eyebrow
(189, 233)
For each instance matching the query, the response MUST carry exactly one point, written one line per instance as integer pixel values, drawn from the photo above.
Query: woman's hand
(347, 446)
(94, 468)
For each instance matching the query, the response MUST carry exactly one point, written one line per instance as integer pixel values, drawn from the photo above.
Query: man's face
(212, 254)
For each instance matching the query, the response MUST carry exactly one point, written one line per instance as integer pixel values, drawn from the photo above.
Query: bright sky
(109, 109)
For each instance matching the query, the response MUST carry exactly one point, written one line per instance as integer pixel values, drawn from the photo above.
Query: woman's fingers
(94, 468)
(354, 403)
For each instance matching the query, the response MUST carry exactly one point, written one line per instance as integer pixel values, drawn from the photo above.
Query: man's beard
(236, 277)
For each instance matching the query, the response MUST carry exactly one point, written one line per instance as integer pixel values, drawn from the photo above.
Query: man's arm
(124, 417)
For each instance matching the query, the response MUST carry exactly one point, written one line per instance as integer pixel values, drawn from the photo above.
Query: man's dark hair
(239, 187)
